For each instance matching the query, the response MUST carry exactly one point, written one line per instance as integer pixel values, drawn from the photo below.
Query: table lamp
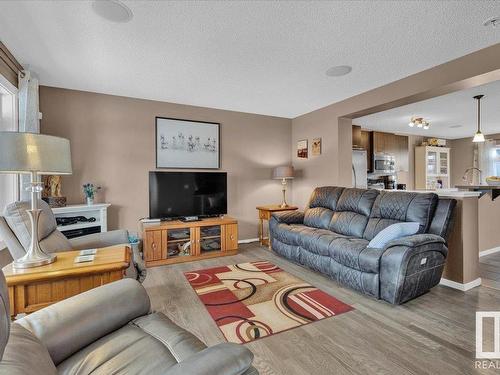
(283, 173)
(35, 154)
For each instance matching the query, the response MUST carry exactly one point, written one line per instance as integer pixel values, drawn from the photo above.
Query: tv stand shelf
(177, 241)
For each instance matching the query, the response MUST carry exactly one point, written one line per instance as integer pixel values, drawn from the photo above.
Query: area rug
(249, 301)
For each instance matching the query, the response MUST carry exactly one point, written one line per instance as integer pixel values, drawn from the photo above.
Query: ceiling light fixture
(112, 10)
(478, 137)
(419, 122)
(338, 71)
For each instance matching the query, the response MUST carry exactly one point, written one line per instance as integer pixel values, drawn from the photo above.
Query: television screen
(180, 194)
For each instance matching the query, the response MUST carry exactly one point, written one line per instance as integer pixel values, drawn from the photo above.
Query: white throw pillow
(393, 232)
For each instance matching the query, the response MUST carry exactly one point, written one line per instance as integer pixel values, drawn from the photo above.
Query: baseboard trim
(248, 240)
(489, 252)
(460, 286)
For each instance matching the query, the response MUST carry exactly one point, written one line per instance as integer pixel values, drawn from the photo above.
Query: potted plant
(90, 190)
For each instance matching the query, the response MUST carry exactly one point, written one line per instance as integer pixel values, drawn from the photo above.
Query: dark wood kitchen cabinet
(392, 144)
(356, 136)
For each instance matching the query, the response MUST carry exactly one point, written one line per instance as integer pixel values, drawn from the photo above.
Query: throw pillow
(393, 232)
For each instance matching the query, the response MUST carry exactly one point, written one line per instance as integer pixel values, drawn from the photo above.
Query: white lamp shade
(285, 172)
(29, 152)
(478, 137)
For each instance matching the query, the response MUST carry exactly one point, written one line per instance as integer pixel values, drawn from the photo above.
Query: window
(496, 160)
(9, 190)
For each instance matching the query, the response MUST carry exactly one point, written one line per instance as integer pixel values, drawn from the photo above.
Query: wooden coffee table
(265, 213)
(32, 289)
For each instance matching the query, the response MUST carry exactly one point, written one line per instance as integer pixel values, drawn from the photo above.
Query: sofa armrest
(104, 239)
(410, 266)
(69, 325)
(289, 217)
(221, 359)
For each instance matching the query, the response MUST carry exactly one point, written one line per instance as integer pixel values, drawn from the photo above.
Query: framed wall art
(187, 144)
(316, 147)
(302, 149)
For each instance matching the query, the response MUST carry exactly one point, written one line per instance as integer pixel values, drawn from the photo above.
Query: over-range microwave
(383, 163)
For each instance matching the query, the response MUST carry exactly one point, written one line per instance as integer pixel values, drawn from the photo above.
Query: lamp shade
(285, 172)
(29, 152)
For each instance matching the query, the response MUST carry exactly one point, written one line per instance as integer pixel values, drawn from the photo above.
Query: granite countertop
(478, 187)
(452, 193)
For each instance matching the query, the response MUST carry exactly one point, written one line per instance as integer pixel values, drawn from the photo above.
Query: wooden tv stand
(177, 241)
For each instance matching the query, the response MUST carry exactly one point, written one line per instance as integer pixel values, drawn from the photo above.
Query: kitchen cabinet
(356, 136)
(432, 167)
(367, 144)
(392, 144)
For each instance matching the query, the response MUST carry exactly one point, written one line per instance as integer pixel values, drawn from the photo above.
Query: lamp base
(30, 262)
(284, 205)
(35, 256)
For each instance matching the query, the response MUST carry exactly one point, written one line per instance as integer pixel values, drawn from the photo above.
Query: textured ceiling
(445, 113)
(261, 57)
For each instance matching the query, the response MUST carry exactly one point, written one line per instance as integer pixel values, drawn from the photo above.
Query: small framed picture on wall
(302, 149)
(316, 147)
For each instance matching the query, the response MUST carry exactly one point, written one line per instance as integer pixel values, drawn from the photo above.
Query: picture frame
(316, 147)
(302, 149)
(187, 144)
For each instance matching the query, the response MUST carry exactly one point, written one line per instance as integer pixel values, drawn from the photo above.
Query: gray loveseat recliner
(109, 330)
(15, 231)
(333, 233)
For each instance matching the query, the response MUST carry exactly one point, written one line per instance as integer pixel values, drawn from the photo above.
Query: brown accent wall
(113, 145)
(333, 167)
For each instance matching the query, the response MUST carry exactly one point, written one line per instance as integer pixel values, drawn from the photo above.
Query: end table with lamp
(282, 173)
(37, 155)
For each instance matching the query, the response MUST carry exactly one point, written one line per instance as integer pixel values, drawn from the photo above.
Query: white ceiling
(261, 57)
(444, 113)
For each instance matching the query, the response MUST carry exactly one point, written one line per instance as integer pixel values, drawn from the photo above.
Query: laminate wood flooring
(433, 334)
(489, 270)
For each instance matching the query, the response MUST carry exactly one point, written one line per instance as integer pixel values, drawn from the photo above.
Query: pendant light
(478, 137)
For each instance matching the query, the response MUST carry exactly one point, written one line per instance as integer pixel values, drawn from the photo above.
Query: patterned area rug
(249, 301)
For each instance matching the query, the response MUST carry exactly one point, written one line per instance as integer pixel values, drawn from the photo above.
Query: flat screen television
(184, 194)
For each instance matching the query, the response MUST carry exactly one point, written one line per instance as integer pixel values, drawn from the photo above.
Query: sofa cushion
(148, 345)
(393, 232)
(321, 207)
(17, 218)
(317, 241)
(353, 210)
(325, 196)
(318, 217)
(25, 354)
(349, 251)
(396, 207)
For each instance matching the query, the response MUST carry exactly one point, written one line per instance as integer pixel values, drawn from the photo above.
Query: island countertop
(449, 193)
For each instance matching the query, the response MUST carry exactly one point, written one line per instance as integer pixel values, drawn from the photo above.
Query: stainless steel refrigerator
(359, 166)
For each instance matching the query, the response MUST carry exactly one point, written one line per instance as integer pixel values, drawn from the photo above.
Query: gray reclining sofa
(332, 236)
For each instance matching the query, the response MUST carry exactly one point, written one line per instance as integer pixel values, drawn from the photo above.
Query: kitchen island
(462, 264)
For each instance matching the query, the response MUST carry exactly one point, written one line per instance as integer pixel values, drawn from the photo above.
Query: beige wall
(113, 145)
(333, 167)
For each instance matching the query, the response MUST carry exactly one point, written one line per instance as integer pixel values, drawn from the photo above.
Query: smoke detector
(494, 21)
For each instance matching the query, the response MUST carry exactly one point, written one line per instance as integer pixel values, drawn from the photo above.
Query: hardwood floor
(433, 334)
(489, 270)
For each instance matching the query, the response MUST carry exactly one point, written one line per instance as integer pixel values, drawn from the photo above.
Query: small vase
(90, 201)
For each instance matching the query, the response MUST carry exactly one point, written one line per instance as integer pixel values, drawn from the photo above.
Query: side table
(265, 213)
(32, 289)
